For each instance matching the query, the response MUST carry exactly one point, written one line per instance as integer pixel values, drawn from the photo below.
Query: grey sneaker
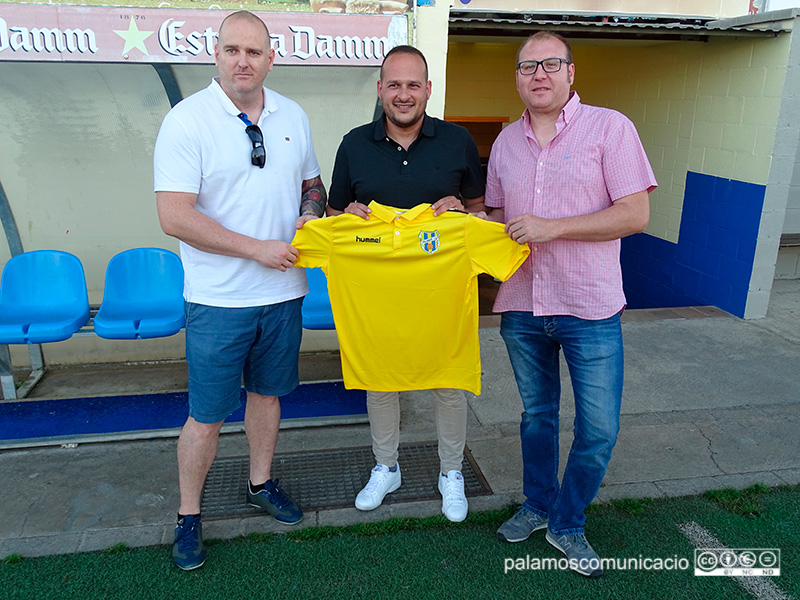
(582, 557)
(520, 527)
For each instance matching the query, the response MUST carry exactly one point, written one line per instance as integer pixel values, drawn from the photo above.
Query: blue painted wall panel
(713, 260)
(747, 249)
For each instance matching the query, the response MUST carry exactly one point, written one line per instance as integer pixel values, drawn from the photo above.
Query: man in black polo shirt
(403, 159)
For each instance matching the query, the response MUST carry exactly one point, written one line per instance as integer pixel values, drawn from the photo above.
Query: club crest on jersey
(429, 241)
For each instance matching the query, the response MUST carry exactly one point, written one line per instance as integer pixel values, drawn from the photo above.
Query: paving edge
(161, 534)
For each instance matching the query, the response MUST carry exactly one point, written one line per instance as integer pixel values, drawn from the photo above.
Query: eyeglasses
(259, 155)
(549, 65)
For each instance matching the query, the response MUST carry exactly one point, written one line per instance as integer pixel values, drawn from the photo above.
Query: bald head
(242, 16)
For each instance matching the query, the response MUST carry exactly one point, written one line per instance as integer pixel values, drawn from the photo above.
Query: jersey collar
(270, 105)
(564, 117)
(388, 214)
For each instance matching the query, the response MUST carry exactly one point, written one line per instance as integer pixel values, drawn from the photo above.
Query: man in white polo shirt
(235, 177)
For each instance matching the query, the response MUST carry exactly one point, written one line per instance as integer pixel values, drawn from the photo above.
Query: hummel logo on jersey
(369, 240)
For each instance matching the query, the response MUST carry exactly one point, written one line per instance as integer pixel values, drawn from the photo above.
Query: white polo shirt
(202, 148)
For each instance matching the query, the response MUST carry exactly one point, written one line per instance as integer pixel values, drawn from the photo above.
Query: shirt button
(397, 233)
(536, 248)
(537, 276)
(399, 148)
(405, 162)
(541, 164)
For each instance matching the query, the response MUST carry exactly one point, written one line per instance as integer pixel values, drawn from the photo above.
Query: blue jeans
(593, 352)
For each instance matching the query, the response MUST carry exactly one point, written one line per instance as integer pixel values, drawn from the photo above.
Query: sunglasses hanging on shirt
(258, 157)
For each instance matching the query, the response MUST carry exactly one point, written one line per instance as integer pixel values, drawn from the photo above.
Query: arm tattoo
(314, 198)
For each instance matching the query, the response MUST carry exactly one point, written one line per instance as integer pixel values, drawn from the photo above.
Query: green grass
(740, 502)
(117, 548)
(631, 506)
(416, 559)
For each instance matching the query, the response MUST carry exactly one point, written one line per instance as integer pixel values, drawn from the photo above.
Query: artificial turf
(431, 558)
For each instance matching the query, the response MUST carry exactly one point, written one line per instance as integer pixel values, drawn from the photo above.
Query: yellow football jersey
(404, 292)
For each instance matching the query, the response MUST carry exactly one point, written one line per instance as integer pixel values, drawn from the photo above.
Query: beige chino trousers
(383, 409)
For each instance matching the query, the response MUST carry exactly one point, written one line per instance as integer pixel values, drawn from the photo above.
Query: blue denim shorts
(261, 343)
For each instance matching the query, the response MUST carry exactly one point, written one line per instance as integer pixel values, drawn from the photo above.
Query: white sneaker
(454, 502)
(382, 481)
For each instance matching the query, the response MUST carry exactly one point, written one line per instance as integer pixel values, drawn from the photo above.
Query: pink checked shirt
(595, 159)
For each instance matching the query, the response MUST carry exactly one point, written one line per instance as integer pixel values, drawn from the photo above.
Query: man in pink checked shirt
(570, 180)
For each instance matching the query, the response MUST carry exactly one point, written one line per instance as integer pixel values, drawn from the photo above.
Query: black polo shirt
(442, 161)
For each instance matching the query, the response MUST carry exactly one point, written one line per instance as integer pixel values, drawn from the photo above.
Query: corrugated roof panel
(614, 24)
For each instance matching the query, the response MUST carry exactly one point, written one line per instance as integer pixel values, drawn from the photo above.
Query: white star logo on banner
(134, 38)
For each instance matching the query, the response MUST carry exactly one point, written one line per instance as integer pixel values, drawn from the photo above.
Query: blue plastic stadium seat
(42, 298)
(317, 305)
(143, 296)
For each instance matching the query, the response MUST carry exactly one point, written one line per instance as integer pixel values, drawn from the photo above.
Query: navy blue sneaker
(187, 549)
(275, 501)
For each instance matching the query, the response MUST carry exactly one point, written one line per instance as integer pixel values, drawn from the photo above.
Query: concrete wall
(712, 112)
(782, 174)
(76, 166)
(706, 107)
(792, 222)
(707, 113)
(431, 39)
(788, 266)
(480, 80)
